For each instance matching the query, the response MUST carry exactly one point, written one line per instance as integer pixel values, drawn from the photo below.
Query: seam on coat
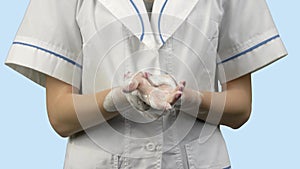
(56, 47)
(141, 19)
(250, 49)
(169, 67)
(251, 41)
(50, 52)
(179, 160)
(159, 21)
(125, 48)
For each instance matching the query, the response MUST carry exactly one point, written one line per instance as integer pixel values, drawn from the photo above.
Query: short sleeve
(48, 42)
(248, 39)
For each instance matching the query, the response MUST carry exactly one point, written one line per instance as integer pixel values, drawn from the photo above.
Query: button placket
(150, 146)
(169, 50)
(115, 161)
(127, 151)
(126, 162)
(158, 147)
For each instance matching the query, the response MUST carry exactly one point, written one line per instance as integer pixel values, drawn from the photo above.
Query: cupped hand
(158, 91)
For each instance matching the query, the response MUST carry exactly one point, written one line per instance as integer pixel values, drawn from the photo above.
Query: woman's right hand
(158, 91)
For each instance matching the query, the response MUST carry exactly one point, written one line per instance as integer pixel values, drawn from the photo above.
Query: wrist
(200, 97)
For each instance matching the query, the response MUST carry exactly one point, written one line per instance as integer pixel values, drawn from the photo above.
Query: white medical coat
(90, 44)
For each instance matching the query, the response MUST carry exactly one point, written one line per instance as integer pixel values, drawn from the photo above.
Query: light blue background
(270, 139)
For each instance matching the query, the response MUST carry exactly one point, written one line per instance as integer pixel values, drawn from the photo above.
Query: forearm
(231, 107)
(234, 106)
(69, 113)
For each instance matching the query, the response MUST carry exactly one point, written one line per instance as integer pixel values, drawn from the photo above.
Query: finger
(136, 81)
(163, 106)
(153, 79)
(133, 84)
(127, 75)
(179, 87)
(162, 79)
(183, 83)
(174, 97)
(168, 106)
(147, 75)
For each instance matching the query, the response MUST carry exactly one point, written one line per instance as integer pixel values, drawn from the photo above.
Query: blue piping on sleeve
(229, 167)
(250, 49)
(159, 21)
(50, 52)
(141, 19)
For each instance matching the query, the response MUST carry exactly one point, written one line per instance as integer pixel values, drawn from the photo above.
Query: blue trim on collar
(229, 167)
(159, 21)
(250, 49)
(50, 52)
(141, 19)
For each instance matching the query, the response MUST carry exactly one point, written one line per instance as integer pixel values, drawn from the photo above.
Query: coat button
(150, 146)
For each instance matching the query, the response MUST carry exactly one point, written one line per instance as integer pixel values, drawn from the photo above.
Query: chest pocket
(80, 157)
(212, 154)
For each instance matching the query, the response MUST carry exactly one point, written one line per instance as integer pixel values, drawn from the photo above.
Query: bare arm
(231, 107)
(65, 107)
(63, 113)
(236, 99)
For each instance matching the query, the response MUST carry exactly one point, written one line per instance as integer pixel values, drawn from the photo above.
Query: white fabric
(248, 39)
(45, 27)
(91, 44)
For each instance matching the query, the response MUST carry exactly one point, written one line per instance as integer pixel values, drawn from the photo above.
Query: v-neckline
(148, 5)
(156, 31)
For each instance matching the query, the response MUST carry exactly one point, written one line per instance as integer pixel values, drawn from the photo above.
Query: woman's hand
(158, 91)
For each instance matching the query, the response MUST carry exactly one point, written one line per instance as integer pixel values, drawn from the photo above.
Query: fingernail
(146, 74)
(181, 88)
(168, 107)
(126, 75)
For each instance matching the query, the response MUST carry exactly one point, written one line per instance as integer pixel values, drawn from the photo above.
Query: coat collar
(166, 18)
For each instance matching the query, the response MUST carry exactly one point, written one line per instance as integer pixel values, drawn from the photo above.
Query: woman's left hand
(158, 91)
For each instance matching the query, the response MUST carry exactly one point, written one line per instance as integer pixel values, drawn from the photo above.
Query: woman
(80, 50)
